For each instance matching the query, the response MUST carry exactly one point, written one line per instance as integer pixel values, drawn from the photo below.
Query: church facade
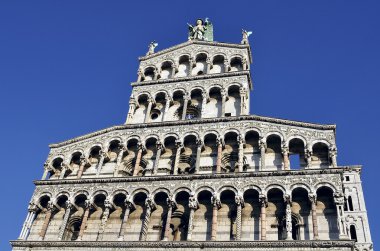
(191, 169)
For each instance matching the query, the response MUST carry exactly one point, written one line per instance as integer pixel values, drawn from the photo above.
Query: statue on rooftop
(151, 47)
(198, 30)
(245, 34)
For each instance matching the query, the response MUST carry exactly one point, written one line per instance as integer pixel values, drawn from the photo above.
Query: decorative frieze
(264, 126)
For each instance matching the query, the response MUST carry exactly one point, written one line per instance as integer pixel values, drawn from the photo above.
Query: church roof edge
(199, 121)
(201, 42)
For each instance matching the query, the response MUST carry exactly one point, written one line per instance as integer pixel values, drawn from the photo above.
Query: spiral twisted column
(68, 206)
(149, 207)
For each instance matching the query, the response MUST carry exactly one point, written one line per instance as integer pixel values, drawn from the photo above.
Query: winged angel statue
(245, 34)
(151, 47)
(198, 30)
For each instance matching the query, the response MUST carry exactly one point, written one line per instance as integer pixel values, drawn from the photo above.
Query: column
(186, 99)
(243, 101)
(339, 202)
(172, 73)
(308, 154)
(332, 155)
(149, 204)
(63, 170)
(86, 213)
(208, 65)
(46, 171)
(285, 154)
(132, 108)
(159, 147)
(204, 103)
(171, 205)
(122, 149)
(139, 75)
(23, 230)
(176, 67)
(62, 229)
(32, 210)
(288, 217)
(167, 106)
(49, 213)
(239, 204)
(219, 156)
(103, 155)
(224, 97)
(215, 201)
(148, 109)
(199, 152)
(155, 74)
(191, 66)
(263, 147)
(177, 157)
(136, 168)
(83, 162)
(241, 153)
(245, 64)
(313, 201)
(264, 204)
(226, 65)
(106, 213)
(128, 206)
(193, 205)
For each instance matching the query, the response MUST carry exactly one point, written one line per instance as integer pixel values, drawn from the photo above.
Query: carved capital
(171, 203)
(50, 206)
(284, 148)
(199, 143)
(88, 204)
(107, 203)
(333, 151)
(240, 139)
(178, 144)
(193, 203)
(159, 145)
(239, 200)
(263, 200)
(313, 198)
(339, 198)
(69, 205)
(215, 201)
(262, 143)
(149, 203)
(287, 198)
(128, 203)
(32, 207)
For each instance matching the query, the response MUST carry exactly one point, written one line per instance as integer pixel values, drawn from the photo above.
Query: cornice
(199, 77)
(338, 170)
(187, 244)
(198, 121)
(200, 42)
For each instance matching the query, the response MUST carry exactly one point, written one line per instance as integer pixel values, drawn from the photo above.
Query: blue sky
(66, 68)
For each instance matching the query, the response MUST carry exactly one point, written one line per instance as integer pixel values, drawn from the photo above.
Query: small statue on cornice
(151, 47)
(246, 34)
(198, 30)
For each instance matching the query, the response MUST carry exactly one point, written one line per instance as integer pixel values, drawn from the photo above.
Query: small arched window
(350, 205)
(72, 230)
(353, 233)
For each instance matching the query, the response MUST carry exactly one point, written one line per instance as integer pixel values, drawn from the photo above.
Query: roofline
(201, 42)
(198, 121)
(206, 76)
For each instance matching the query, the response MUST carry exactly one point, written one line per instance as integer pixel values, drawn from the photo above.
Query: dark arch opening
(350, 204)
(353, 233)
